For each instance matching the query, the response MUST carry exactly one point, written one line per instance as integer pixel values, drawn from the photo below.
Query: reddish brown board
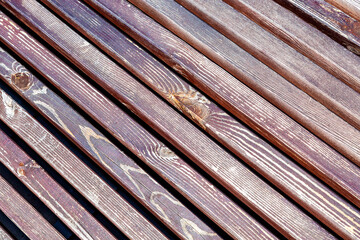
(292, 65)
(265, 159)
(351, 7)
(50, 192)
(82, 178)
(237, 98)
(303, 37)
(123, 169)
(227, 170)
(339, 25)
(23, 215)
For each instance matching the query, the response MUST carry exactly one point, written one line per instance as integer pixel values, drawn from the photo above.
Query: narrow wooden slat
(4, 235)
(23, 215)
(285, 174)
(268, 203)
(94, 189)
(351, 7)
(304, 147)
(339, 25)
(303, 37)
(123, 169)
(292, 65)
(48, 191)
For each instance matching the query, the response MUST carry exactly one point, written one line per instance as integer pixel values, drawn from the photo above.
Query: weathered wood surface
(262, 79)
(329, 19)
(81, 177)
(123, 169)
(4, 235)
(50, 192)
(237, 98)
(292, 65)
(303, 37)
(219, 124)
(351, 7)
(228, 171)
(23, 215)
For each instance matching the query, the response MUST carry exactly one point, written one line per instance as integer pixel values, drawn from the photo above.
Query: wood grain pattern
(4, 235)
(285, 133)
(82, 178)
(123, 169)
(51, 193)
(351, 7)
(339, 25)
(292, 65)
(23, 215)
(265, 159)
(227, 170)
(303, 37)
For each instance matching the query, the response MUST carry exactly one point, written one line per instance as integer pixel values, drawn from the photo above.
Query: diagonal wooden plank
(23, 215)
(273, 165)
(50, 192)
(329, 19)
(303, 37)
(123, 169)
(4, 235)
(292, 65)
(94, 189)
(285, 133)
(231, 173)
(351, 7)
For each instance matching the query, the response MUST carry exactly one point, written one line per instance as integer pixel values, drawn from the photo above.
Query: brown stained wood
(297, 104)
(23, 215)
(51, 193)
(4, 235)
(272, 164)
(123, 169)
(292, 65)
(303, 37)
(351, 7)
(95, 190)
(300, 144)
(331, 20)
(269, 204)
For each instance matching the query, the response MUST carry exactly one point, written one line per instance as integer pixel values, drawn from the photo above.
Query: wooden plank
(272, 164)
(278, 128)
(122, 168)
(94, 189)
(23, 215)
(329, 19)
(303, 37)
(230, 172)
(292, 65)
(351, 7)
(4, 235)
(84, 225)
(267, 83)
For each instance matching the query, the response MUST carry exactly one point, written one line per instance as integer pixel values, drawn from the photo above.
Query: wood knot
(193, 104)
(22, 80)
(166, 152)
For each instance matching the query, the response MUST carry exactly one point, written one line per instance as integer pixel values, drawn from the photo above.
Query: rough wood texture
(123, 169)
(265, 159)
(23, 215)
(4, 235)
(329, 19)
(82, 178)
(237, 98)
(303, 37)
(51, 193)
(351, 7)
(269, 204)
(292, 65)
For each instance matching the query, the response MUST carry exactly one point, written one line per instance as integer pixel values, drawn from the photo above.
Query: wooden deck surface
(186, 119)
